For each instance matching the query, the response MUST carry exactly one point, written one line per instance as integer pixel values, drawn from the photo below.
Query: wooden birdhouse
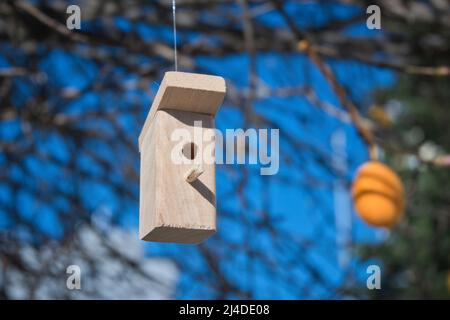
(177, 187)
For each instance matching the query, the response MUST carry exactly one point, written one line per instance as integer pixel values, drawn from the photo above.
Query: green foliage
(415, 259)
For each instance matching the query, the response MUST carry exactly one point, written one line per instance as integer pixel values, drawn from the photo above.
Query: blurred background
(72, 104)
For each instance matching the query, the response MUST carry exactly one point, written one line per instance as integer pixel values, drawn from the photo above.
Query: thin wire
(174, 6)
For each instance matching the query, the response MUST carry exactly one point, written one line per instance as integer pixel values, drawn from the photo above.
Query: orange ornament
(378, 194)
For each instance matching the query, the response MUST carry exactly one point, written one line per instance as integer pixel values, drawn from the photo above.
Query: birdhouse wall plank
(171, 208)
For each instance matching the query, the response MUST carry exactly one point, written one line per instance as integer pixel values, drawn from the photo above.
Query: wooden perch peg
(178, 199)
(193, 173)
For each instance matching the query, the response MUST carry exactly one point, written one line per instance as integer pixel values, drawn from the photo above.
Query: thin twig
(442, 71)
(304, 45)
(340, 92)
(13, 72)
(48, 21)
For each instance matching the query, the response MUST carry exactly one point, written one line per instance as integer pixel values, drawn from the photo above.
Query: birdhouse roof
(189, 92)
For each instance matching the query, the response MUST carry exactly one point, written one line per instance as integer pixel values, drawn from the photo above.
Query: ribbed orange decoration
(378, 194)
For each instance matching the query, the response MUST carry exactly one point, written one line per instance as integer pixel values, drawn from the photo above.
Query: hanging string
(174, 6)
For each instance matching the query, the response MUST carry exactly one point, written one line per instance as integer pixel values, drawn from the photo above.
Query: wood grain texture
(172, 209)
(183, 91)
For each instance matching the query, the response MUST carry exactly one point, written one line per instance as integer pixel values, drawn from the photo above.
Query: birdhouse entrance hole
(190, 150)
